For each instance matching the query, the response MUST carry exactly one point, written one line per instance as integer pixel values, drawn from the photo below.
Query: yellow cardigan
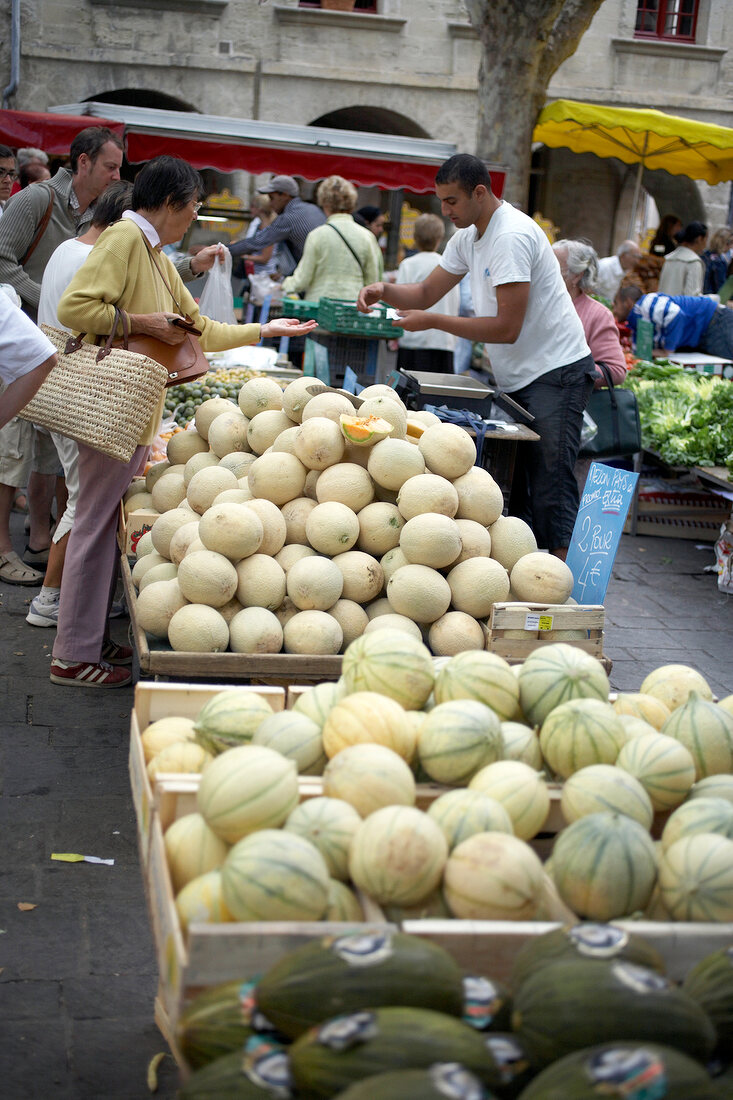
(119, 271)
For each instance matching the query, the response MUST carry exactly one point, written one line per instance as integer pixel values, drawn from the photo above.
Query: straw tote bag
(100, 396)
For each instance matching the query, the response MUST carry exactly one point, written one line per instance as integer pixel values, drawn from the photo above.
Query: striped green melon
(672, 684)
(663, 766)
(493, 876)
(214, 1024)
(329, 824)
(479, 675)
(316, 703)
(263, 1075)
(522, 792)
(461, 813)
(579, 733)
(713, 786)
(192, 848)
(274, 875)
(348, 1049)
(696, 878)
(392, 663)
(710, 983)
(563, 1005)
(602, 787)
(706, 729)
(585, 940)
(457, 739)
(611, 1066)
(397, 855)
(295, 736)
(521, 743)
(604, 866)
(343, 904)
(248, 788)
(700, 815)
(435, 1083)
(555, 673)
(369, 777)
(230, 718)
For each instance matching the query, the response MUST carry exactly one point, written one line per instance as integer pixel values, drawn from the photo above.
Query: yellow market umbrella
(651, 139)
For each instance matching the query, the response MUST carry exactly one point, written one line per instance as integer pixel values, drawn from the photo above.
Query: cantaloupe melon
(201, 901)
(365, 717)
(541, 578)
(332, 528)
(672, 684)
(286, 440)
(430, 539)
(457, 739)
(164, 571)
(511, 539)
(168, 492)
(715, 786)
(261, 582)
(521, 790)
(391, 663)
(427, 493)
(318, 443)
(258, 395)
(229, 433)
(393, 622)
(312, 632)
(555, 673)
(239, 495)
(166, 526)
(393, 461)
(479, 496)
(700, 815)
(706, 729)
(419, 592)
(329, 824)
(380, 389)
(230, 609)
(286, 611)
(146, 563)
(646, 707)
(389, 408)
(231, 530)
(291, 553)
(208, 411)
(478, 675)
(296, 396)
(238, 462)
(255, 630)
(343, 904)
(229, 719)
(392, 561)
(363, 577)
(157, 605)
(263, 429)
(314, 583)
(192, 849)
(448, 450)
(475, 540)
(364, 431)
(277, 477)
(275, 875)
(369, 777)
(207, 577)
(578, 733)
(521, 743)
(154, 472)
(347, 483)
(198, 628)
(380, 527)
(295, 513)
(463, 813)
(397, 855)
(205, 485)
(328, 406)
(663, 766)
(163, 732)
(352, 618)
(696, 879)
(182, 539)
(476, 585)
(317, 701)
(274, 527)
(493, 876)
(144, 545)
(297, 737)
(245, 789)
(602, 787)
(183, 445)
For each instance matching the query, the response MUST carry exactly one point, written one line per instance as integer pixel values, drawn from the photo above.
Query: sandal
(13, 571)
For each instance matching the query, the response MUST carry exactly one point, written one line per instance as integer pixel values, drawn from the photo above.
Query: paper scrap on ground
(25, 906)
(74, 857)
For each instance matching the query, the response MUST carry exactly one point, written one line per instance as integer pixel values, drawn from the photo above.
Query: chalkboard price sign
(604, 505)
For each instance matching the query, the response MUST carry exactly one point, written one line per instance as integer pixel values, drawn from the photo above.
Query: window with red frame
(359, 5)
(674, 20)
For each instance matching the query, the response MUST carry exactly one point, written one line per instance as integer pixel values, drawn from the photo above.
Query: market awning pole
(637, 190)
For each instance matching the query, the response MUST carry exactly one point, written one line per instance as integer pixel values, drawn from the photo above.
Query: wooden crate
(536, 620)
(131, 528)
(154, 701)
(266, 668)
(215, 953)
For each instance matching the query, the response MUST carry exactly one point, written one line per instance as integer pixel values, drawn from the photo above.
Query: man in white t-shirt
(525, 315)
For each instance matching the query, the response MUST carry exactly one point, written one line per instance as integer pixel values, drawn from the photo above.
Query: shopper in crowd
(264, 262)
(29, 155)
(340, 257)
(295, 219)
(684, 269)
(124, 270)
(32, 173)
(579, 266)
(61, 268)
(535, 341)
(372, 218)
(432, 349)
(8, 175)
(716, 260)
(611, 269)
(680, 321)
(664, 240)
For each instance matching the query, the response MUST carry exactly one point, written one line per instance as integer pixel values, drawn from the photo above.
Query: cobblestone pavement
(78, 971)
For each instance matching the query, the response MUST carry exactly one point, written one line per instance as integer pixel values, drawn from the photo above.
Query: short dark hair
(691, 232)
(630, 293)
(164, 180)
(111, 204)
(5, 152)
(465, 170)
(368, 214)
(90, 141)
(32, 172)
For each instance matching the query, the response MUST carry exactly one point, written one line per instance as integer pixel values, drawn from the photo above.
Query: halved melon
(364, 431)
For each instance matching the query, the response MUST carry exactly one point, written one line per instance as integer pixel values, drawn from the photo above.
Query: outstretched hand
(369, 296)
(287, 326)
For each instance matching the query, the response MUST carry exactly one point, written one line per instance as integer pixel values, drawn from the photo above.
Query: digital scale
(456, 391)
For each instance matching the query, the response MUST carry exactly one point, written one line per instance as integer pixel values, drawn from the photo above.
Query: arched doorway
(142, 97)
(373, 120)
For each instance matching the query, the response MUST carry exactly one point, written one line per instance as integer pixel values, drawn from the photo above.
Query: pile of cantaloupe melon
(492, 737)
(276, 532)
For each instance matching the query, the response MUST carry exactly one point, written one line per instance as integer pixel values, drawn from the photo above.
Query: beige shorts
(25, 449)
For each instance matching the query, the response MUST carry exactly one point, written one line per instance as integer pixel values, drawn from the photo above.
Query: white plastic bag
(261, 286)
(724, 558)
(217, 297)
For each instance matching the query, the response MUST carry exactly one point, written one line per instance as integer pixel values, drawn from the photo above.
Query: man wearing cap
(293, 223)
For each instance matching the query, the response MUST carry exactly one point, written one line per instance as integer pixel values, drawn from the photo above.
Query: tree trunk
(523, 42)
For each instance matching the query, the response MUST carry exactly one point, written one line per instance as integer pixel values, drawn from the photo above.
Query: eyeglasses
(197, 206)
(8, 173)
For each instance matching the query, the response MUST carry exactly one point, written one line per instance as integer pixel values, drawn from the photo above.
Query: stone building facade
(397, 66)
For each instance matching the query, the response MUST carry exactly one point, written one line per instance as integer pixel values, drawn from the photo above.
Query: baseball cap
(286, 184)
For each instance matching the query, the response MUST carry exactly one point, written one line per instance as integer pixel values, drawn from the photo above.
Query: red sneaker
(115, 654)
(99, 674)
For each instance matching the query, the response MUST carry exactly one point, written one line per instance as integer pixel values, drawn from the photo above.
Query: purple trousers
(90, 568)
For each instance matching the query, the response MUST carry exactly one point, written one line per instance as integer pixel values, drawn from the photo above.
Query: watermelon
(274, 875)
(696, 878)
(263, 1074)
(563, 1004)
(579, 733)
(604, 866)
(457, 738)
(444, 1079)
(482, 676)
(624, 1069)
(230, 718)
(710, 984)
(585, 940)
(349, 1048)
(391, 663)
(332, 976)
(555, 673)
(215, 1023)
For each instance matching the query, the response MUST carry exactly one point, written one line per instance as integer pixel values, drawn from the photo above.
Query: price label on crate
(535, 620)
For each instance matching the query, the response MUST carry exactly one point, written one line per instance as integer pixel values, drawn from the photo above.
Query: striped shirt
(292, 227)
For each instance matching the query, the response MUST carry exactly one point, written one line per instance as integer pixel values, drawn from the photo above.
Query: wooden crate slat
(154, 701)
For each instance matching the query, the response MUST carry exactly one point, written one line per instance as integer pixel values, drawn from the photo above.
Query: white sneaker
(43, 613)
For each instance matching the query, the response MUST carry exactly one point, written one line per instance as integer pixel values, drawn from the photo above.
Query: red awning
(309, 164)
(50, 132)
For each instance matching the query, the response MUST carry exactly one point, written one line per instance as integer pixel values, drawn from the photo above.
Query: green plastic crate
(338, 315)
(297, 307)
